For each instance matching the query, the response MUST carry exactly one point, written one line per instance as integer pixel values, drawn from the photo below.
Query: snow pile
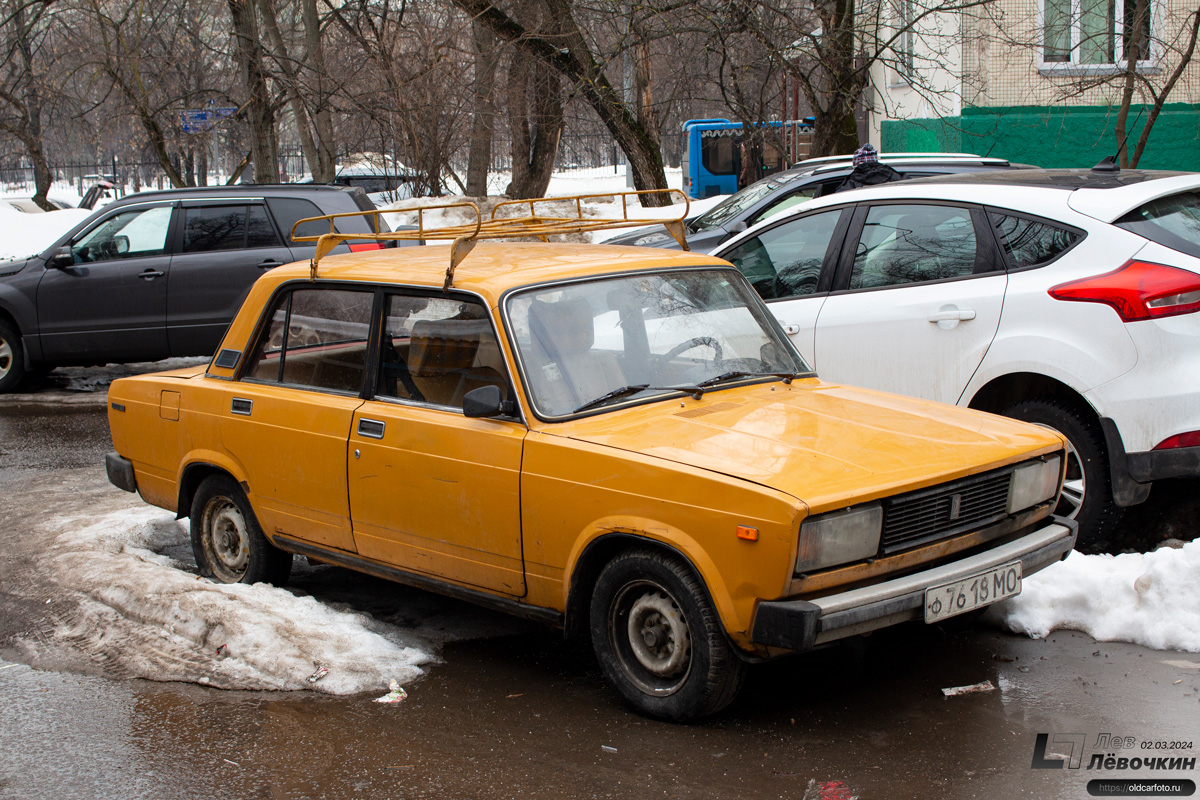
(132, 611)
(23, 235)
(1151, 599)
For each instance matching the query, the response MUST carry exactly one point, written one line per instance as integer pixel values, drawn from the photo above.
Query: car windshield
(1172, 221)
(592, 344)
(735, 204)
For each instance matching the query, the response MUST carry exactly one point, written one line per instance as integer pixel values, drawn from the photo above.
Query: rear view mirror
(62, 257)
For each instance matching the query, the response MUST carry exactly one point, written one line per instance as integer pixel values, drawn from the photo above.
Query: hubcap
(226, 540)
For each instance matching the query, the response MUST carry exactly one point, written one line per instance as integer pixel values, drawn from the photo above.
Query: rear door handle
(951, 316)
(269, 263)
(150, 274)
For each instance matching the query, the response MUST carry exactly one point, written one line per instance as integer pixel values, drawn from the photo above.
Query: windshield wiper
(615, 394)
(787, 377)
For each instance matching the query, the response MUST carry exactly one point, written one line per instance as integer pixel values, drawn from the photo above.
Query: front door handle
(150, 274)
(952, 316)
(269, 263)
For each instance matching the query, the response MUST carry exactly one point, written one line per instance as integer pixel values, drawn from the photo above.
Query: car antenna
(1110, 163)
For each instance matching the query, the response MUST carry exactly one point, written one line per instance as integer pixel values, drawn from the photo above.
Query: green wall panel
(1063, 136)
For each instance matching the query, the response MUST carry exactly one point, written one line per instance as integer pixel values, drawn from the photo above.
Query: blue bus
(712, 154)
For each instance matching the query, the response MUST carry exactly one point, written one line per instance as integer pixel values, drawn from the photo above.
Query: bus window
(718, 153)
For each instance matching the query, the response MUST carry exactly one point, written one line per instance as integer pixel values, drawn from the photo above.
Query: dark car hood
(657, 236)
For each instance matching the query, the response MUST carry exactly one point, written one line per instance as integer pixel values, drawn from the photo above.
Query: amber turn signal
(747, 533)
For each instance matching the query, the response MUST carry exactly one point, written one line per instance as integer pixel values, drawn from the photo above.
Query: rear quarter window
(1172, 221)
(290, 210)
(1031, 242)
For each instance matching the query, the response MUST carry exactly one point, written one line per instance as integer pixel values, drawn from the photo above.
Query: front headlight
(1034, 483)
(839, 537)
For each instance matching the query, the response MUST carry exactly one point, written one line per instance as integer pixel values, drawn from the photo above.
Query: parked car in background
(1063, 297)
(26, 205)
(815, 177)
(154, 274)
(617, 441)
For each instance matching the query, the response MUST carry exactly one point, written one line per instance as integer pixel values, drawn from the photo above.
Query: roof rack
(813, 162)
(463, 237)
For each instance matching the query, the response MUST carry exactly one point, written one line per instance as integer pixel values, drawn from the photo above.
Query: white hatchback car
(1062, 297)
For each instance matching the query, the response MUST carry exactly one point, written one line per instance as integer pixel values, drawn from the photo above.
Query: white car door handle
(790, 330)
(950, 316)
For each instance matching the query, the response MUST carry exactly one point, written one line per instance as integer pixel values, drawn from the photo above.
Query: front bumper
(803, 624)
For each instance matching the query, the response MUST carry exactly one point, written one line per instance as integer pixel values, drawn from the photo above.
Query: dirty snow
(170, 623)
(1151, 599)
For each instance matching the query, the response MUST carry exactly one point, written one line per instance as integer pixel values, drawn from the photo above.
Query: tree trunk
(479, 160)
(248, 48)
(295, 96)
(536, 121)
(325, 168)
(569, 54)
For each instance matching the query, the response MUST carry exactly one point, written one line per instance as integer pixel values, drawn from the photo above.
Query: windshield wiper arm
(615, 394)
(787, 377)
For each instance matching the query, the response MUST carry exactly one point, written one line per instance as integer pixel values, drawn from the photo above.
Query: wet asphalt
(525, 714)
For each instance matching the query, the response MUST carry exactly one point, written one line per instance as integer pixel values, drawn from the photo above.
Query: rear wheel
(1087, 489)
(226, 538)
(12, 358)
(659, 641)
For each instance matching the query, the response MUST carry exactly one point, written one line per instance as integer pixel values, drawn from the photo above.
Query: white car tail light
(1138, 290)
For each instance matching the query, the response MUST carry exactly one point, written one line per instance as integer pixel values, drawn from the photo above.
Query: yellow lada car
(613, 440)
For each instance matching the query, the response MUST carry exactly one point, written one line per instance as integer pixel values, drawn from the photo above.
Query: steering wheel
(699, 341)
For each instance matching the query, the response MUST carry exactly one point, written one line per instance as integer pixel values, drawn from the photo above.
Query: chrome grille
(943, 511)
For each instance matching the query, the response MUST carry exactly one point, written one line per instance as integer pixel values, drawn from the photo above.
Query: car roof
(234, 190)
(493, 267)
(1106, 195)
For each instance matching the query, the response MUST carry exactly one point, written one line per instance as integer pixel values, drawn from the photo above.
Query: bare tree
(24, 28)
(260, 112)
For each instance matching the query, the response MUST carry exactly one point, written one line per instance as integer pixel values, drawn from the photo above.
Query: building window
(1092, 33)
(905, 44)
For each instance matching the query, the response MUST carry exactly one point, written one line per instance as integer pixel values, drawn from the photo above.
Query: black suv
(814, 177)
(157, 274)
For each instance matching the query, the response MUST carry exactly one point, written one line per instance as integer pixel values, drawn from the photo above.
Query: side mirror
(486, 401)
(62, 258)
(738, 226)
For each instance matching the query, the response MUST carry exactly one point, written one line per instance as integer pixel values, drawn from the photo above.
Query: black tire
(681, 667)
(12, 358)
(227, 540)
(1087, 490)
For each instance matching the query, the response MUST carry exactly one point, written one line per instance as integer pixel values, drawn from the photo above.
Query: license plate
(959, 597)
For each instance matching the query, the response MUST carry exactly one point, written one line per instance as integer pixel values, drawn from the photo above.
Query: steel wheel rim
(226, 540)
(651, 638)
(1074, 489)
(6, 357)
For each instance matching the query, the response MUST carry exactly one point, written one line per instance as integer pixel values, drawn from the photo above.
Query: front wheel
(12, 358)
(227, 540)
(1087, 488)
(659, 641)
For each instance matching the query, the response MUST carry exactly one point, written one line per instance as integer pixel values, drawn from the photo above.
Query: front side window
(128, 234)
(316, 339)
(1029, 242)
(903, 244)
(786, 260)
(1096, 32)
(1172, 221)
(589, 345)
(437, 349)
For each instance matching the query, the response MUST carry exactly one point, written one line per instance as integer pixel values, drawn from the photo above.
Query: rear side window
(1172, 221)
(1031, 242)
(208, 228)
(914, 243)
(290, 210)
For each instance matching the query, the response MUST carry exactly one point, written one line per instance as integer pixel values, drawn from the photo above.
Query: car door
(432, 491)
(791, 266)
(918, 297)
(224, 245)
(287, 417)
(110, 304)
